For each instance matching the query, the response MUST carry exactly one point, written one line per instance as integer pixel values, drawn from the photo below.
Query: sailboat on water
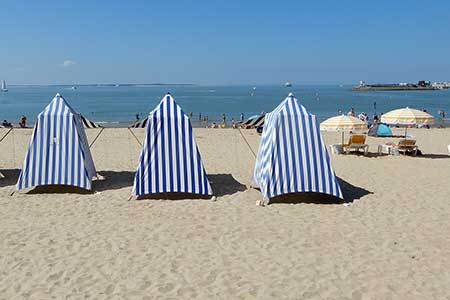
(4, 88)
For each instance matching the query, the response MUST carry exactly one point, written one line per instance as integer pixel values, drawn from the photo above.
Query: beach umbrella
(407, 116)
(343, 124)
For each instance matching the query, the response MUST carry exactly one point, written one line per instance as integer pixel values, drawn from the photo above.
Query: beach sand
(392, 242)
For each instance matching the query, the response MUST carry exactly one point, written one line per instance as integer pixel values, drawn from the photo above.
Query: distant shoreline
(106, 84)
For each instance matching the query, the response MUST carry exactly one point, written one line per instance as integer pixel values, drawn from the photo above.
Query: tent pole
(135, 136)
(96, 137)
(6, 134)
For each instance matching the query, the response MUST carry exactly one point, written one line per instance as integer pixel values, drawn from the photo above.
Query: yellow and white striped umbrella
(407, 116)
(343, 124)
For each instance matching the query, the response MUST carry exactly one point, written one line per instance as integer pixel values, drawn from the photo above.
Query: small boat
(288, 84)
(73, 88)
(4, 88)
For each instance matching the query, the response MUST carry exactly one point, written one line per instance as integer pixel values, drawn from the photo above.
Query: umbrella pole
(406, 130)
(342, 138)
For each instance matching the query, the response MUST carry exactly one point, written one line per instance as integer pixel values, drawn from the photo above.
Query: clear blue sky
(224, 42)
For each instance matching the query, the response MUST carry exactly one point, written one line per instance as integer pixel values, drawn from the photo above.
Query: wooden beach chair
(355, 143)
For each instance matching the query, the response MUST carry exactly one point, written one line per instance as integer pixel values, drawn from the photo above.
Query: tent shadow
(349, 191)
(352, 192)
(225, 184)
(221, 185)
(434, 156)
(113, 180)
(11, 176)
(58, 189)
(173, 196)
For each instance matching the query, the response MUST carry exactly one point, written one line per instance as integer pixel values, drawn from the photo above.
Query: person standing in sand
(23, 122)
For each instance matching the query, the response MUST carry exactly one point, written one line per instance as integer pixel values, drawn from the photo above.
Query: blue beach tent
(292, 156)
(170, 161)
(380, 130)
(58, 152)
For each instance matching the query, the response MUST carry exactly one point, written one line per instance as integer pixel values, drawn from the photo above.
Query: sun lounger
(355, 143)
(407, 146)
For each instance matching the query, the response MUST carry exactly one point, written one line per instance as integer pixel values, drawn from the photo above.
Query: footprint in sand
(166, 288)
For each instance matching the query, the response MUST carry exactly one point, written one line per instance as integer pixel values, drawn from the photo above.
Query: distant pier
(420, 86)
(392, 88)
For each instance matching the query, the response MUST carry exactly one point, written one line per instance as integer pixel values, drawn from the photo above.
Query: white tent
(170, 161)
(58, 152)
(292, 156)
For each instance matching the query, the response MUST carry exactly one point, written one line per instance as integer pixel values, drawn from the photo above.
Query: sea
(121, 105)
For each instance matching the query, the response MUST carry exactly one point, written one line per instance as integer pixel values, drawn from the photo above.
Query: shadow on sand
(350, 192)
(225, 184)
(434, 156)
(221, 185)
(57, 189)
(10, 177)
(113, 180)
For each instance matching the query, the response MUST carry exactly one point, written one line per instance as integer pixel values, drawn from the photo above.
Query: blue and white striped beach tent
(170, 161)
(292, 156)
(58, 152)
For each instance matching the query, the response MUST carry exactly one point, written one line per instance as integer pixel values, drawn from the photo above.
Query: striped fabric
(292, 157)
(139, 124)
(170, 161)
(89, 124)
(259, 121)
(253, 122)
(58, 152)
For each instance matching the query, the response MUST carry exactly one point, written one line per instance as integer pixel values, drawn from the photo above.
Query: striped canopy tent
(292, 156)
(58, 152)
(170, 161)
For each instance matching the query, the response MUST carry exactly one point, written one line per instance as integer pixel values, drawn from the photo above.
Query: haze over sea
(120, 104)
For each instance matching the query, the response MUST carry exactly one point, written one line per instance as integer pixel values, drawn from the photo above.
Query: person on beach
(233, 124)
(213, 125)
(340, 112)
(6, 124)
(137, 117)
(200, 117)
(190, 115)
(224, 119)
(375, 119)
(242, 117)
(23, 122)
(351, 112)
